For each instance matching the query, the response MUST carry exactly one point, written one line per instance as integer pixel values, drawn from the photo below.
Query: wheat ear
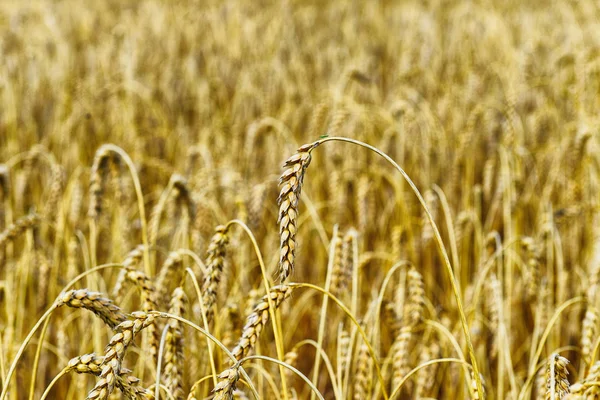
(557, 383)
(215, 259)
(127, 384)
(149, 303)
(227, 384)
(258, 319)
(173, 262)
(291, 185)
(100, 168)
(132, 259)
(96, 303)
(18, 227)
(115, 352)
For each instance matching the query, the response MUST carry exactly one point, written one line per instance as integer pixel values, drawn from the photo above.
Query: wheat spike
(131, 261)
(256, 321)
(363, 378)
(149, 303)
(215, 259)
(557, 383)
(588, 331)
(173, 262)
(127, 384)
(96, 303)
(291, 185)
(18, 227)
(100, 168)
(115, 352)
(227, 384)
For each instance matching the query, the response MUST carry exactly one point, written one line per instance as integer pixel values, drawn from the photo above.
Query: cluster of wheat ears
(432, 234)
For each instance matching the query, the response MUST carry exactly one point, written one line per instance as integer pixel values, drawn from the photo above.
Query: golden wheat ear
(557, 381)
(291, 186)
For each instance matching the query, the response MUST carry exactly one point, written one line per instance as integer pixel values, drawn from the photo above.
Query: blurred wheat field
(299, 199)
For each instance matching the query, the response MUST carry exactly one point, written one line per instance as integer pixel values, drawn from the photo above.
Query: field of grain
(299, 199)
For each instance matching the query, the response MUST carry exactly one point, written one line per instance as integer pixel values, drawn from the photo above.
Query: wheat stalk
(174, 358)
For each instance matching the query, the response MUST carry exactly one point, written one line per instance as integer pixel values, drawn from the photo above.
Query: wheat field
(297, 199)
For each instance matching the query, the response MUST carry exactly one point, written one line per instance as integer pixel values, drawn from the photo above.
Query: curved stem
(196, 384)
(421, 366)
(440, 243)
(36, 360)
(358, 327)
(164, 388)
(140, 200)
(209, 336)
(328, 365)
(52, 383)
(276, 331)
(211, 357)
(194, 257)
(13, 366)
(544, 336)
(284, 365)
(90, 271)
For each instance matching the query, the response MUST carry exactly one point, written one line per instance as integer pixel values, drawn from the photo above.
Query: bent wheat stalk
(292, 180)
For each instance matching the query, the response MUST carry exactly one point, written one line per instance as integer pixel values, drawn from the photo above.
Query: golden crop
(299, 199)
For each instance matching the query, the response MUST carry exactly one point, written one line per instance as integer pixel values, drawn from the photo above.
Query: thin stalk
(358, 327)
(323, 315)
(277, 333)
(421, 366)
(211, 357)
(284, 365)
(161, 350)
(13, 366)
(446, 261)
